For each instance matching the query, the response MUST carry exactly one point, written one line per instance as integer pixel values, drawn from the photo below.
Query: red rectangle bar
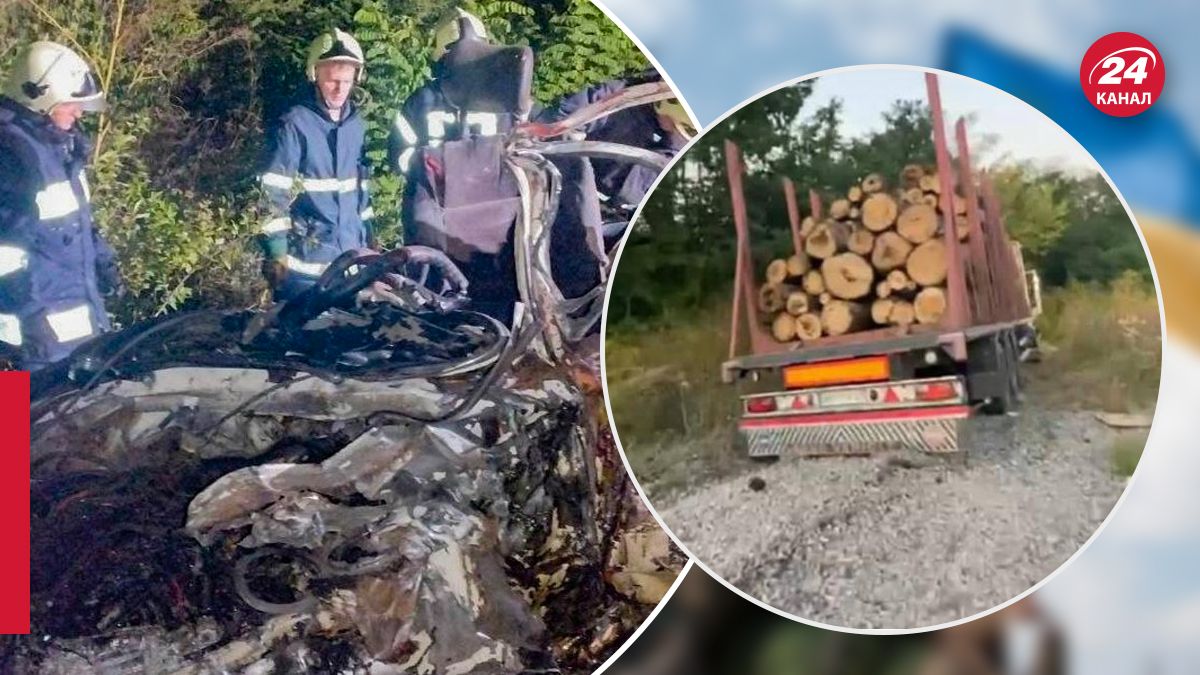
(851, 417)
(14, 503)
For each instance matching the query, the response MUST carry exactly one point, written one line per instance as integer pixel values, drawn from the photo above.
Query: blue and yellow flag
(1150, 157)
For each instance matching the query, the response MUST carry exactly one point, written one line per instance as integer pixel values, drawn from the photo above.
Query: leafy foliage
(680, 254)
(581, 46)
(193, 84)
(679, 258)
(1034, 214)
(1098, 243)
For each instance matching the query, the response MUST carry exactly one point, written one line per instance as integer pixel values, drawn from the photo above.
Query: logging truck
(903, 309)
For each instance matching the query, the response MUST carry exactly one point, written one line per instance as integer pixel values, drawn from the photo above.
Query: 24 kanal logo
(1122, 74)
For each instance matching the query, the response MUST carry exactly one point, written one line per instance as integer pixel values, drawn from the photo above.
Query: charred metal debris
(369, 478)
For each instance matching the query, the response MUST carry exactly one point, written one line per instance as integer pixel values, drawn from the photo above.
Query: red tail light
(938, 391)
(761, 405)
(800, 402)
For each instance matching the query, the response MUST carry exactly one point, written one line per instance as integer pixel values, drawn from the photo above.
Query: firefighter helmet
(335, 46)
(47, 74)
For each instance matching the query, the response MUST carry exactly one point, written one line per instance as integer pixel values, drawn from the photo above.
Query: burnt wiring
(108, 532)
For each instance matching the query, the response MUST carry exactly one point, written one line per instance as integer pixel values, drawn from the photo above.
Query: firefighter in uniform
(55, 267)
(315, 178)
(427, 119)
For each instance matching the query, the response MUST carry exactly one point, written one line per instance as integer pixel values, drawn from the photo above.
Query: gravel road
(882, 543)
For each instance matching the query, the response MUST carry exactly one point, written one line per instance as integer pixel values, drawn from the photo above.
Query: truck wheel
(1008, 362)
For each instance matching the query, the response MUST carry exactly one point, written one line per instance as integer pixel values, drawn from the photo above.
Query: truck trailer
(911, 386)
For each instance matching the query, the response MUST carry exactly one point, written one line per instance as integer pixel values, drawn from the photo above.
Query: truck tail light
(761, 405)
(938, 391)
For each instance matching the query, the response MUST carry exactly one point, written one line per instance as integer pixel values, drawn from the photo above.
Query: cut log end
(902, 313)
(848, 276)
(890, 251)
(899, 282)
(806, 226)
(930, 305)
(879, 212)
(797, 266)
(855, 194)
(881, 311)
(926, 265)
(861, 241)
(783, 328)
(770, 300)
(765, 299)
(777, 271)
(882, 290)
(917, 223)
(827, 239)
(798, 302)
(808, 326)
(910, 177)
(872, 183)
(930, 183)
(839, 209)
(814, 283)
(840, 317)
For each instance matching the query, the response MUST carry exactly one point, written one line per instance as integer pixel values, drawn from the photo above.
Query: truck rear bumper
(926, 429)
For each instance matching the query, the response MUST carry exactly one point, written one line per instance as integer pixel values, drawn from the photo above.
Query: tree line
(679, 257)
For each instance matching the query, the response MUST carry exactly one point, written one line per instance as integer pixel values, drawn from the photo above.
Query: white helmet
(47, 74)
(447, 31)
(335, 46)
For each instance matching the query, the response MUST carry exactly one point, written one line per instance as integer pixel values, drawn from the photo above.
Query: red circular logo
(1122, 74)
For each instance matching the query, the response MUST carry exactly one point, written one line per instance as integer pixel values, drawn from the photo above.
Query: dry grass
(1126, 451)
(666, 382)
(674, 416)
(1103, 348)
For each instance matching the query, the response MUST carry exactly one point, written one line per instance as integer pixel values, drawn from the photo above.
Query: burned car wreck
(369, 478)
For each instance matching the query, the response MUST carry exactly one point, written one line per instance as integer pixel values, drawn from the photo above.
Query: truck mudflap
(926, 429)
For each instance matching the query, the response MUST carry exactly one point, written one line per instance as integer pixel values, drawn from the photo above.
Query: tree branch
(106, 77)
(49, 18)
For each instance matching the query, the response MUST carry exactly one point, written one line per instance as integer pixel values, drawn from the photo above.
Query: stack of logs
(878, 260)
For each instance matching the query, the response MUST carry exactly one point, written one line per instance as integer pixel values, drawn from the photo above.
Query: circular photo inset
(882, 348)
